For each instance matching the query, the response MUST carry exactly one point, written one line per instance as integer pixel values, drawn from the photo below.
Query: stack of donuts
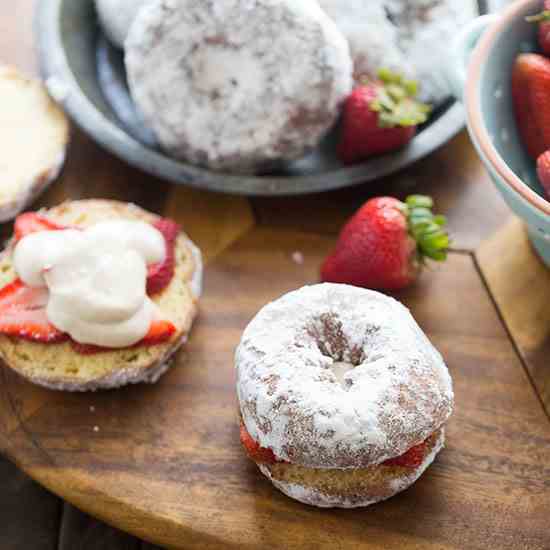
(244, 85)
(343, 399)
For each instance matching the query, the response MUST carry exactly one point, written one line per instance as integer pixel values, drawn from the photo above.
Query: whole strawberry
(385, 244)
(543, 19)
(531, 97)
(543, 171)
(380, 116)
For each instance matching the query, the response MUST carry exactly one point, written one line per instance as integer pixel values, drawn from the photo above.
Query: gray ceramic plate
(86, 75)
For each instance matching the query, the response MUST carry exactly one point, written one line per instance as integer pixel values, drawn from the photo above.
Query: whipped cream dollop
(96, 279)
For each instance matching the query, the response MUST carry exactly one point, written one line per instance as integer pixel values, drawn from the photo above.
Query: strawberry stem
(426, 228)
(539, 17)
(395, 103)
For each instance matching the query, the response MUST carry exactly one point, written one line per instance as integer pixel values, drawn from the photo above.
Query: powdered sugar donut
(236, 85)
(407, 36)
(343, 398)
(116, 17)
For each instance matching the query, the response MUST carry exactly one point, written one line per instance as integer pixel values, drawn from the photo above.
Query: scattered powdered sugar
(398, 393)
(298, 258)
(96, 429)
(92, 409)
(242, 68)
(314, 497)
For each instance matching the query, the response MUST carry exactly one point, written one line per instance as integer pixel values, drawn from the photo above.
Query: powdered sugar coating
(116, 17)
(237, 85)
(408, 36)
(314, 497)
(398, 393)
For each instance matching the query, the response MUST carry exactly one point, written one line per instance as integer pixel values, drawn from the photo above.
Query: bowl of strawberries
(506, 89)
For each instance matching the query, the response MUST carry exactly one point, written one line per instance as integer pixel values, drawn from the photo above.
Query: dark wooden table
(493, 260)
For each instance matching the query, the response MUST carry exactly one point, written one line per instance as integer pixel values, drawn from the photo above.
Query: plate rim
(55, 69)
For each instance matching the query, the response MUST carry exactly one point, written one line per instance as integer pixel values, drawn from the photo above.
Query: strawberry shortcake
(343, 399)
(96, 294)
(33, 141)
(237, 86)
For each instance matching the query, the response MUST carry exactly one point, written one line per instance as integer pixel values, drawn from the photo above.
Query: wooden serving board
(164, 462)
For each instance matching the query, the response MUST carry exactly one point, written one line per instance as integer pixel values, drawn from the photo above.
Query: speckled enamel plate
(86, 75)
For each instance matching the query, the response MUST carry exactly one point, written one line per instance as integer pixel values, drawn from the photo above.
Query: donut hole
(328, 334)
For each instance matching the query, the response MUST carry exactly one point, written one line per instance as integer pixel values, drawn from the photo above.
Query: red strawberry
(543, 18)
(31, 222)
(23, 314)
(413, 458)
(255, 452)
(380, 116)
(543, 171)
(531, 96)
(160, 274)
(160, 332)
(385, 244)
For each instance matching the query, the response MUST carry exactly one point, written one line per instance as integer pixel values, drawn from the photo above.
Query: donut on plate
(237, 86)
(406, 36)
(116, 18)
(343, 399)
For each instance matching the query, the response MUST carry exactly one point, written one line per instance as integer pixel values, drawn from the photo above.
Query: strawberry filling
(253, 449)
(23, 309)
(30, 222)
(412, 459)
(23, 314)
(160, 274)
(160, 332)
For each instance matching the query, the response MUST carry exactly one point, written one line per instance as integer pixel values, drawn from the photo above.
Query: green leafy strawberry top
(539, 17)
(396, 103)
(426, 228)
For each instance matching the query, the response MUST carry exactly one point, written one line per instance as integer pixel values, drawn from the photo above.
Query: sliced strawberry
(413, 458)
(23, 314)
(253, 449)
(160, 332)
(31, 222)
(160, 274)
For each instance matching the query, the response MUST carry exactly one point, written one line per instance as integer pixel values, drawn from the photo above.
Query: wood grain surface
(165, 463)
(520, 285)
(453, 176)
(167, 466)
(23, 498)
